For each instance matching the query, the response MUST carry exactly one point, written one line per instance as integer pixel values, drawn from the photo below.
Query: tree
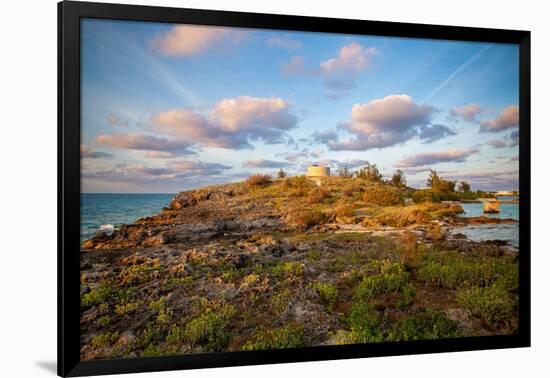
(281, 174)
(344, 172)
(398, 179)
(464, 187)
(433, 180)
(437, 184)
(370, 173)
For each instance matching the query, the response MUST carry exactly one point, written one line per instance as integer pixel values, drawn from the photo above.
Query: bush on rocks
(382, 196)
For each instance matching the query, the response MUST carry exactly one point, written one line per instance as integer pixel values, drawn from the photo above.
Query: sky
(168, 107)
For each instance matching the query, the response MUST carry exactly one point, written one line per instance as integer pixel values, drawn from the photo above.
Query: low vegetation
(381, 196)
(328, 293)
(292, 262)
(290, 336)
(492, 304)
(258, 180)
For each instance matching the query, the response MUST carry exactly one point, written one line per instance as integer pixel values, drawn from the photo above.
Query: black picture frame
(69, 15)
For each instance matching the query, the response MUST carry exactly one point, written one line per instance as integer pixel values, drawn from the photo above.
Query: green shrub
(290, 268)
(149, 334)
(327, 293)
(104, 339)
(177, 282)
(490, 303)
(382, 196)
(153, 351)
(104, 321)
(210, 328)
(176, 335)
(425, 195)
(289, 336)
(452, 271)
(423, 326)
(365, 324)
(250, 279)
(281, 300)
(96, 296)
(409, 294)
(136, 274)
(157, 305)
(163, 312)
(392, 278)
(128, 308)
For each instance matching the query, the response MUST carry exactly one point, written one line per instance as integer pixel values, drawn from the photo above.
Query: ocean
(508, 231)
(106, 211)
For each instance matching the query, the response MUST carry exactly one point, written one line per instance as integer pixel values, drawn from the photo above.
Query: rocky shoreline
(233, 267)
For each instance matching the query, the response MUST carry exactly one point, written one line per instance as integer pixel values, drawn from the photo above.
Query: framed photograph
(239, 188)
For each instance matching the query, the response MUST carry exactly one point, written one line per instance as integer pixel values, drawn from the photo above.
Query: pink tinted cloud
(187, 40)
(498, 143)
(232, 123)
(143, 142)
(340, 73)
(264, 163)
(430, 158)
(468, 113)
(386, 122)
(353, 57)
(160, 155)
(507, 119)
(115, 120)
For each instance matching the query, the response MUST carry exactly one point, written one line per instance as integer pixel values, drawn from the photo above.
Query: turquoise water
(508, 232)
(507, 210)
(106, 211)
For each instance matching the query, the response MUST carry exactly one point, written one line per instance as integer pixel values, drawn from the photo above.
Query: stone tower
(318, 171)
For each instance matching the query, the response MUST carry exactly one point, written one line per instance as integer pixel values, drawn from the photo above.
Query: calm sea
(508, 232)
(106, 211)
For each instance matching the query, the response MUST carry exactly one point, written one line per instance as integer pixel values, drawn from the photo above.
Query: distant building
(504, 193)
(318, 171)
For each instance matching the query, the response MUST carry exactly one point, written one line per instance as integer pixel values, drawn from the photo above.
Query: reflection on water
(508, 232)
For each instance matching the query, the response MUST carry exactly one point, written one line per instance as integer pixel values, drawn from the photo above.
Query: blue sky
(170, 107)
